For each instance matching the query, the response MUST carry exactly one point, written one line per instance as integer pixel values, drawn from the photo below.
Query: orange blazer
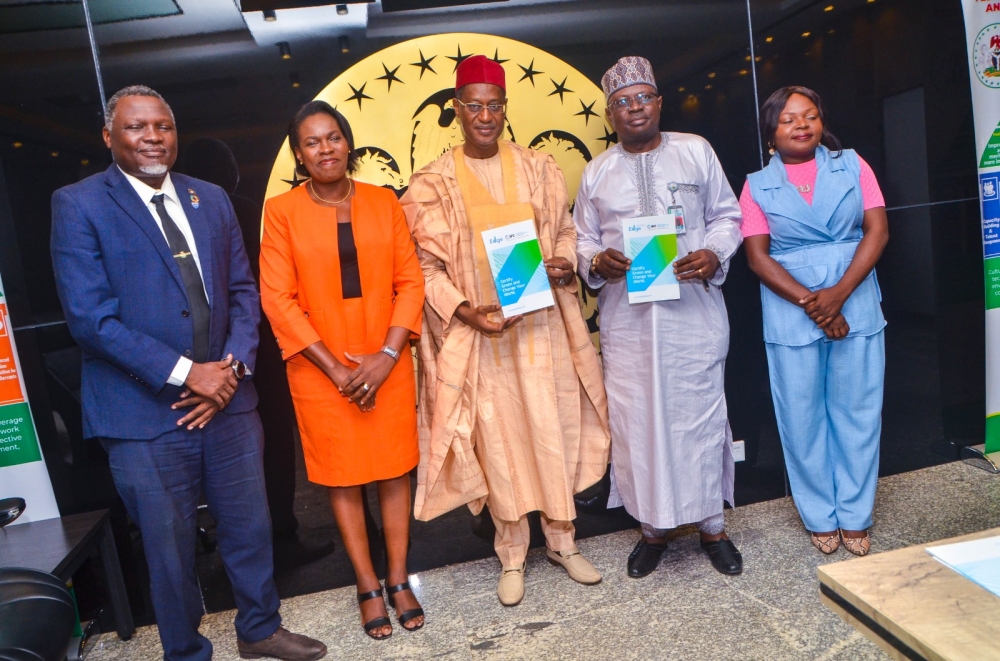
(300, 271)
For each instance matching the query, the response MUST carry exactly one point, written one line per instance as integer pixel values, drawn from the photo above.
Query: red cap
(480, 69)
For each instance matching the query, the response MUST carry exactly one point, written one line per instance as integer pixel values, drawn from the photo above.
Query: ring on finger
(365, 387)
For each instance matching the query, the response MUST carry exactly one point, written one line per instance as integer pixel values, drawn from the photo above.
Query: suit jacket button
(185, 313)
(187, 353)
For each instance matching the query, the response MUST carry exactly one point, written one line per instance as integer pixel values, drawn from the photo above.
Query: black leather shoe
(594, 500)
(644, 558)
(725, 557)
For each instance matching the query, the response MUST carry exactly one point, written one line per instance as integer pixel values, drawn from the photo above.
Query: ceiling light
(345, 44)
(711, 75)
(708, 87)
(341, 10)
(747, 58)
(54, 154)
(84, 162)
(806, 34)
(269, 15)
(294, 77)
(743, 72)
(830, 31)
(17, 144)
(681, 89)
(828, 8)
(769, 39)
(285, 49)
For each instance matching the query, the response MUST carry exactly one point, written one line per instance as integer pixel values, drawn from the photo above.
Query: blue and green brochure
(651, 244)
(515, 258)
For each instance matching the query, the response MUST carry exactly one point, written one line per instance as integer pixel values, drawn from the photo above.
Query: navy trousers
(160, 481)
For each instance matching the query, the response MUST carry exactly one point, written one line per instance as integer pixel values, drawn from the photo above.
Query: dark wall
(856, 56)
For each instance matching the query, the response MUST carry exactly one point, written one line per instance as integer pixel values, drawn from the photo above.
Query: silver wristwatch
(389, 351)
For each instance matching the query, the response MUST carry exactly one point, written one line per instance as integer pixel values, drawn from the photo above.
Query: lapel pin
(194, 199)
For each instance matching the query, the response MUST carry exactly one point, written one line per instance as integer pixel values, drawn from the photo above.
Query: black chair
(36, 616)
(10, 509)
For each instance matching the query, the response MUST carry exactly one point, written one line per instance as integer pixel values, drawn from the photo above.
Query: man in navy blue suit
(158, 292)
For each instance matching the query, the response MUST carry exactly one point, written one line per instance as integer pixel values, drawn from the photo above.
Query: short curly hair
(111, 107)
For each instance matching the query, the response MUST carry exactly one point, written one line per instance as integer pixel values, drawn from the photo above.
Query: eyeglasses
(623, 102)
(476, 108)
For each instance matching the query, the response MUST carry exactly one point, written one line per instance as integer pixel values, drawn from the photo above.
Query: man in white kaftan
(664, 361)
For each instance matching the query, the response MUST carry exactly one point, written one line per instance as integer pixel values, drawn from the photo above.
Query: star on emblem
(358, 95)
(529, 72)
(295, 181)
(560, 88)
(496, 56)
(424, 64)
(457, 59)
(390, 77)
(609, 138)
(587, 112)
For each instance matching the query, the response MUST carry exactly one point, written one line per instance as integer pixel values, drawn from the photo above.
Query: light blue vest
(815, 243)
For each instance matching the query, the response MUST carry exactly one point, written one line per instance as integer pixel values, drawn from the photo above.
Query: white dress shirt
(176, 212)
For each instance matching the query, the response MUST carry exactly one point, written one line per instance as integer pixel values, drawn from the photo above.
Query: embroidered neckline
(644, 171)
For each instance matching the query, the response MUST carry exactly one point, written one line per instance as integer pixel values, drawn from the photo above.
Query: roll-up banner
(982, 32)
(22, 468)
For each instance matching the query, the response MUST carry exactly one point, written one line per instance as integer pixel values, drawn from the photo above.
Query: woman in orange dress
(343, 290)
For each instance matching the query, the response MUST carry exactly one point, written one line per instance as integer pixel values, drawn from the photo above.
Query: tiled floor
(683, 611)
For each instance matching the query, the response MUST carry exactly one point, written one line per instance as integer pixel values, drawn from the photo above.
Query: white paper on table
(978, 561)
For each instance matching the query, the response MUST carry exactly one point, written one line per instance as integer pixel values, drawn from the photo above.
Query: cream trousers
(513, 537)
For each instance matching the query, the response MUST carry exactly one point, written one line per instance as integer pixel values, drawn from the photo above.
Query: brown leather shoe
(284, 645)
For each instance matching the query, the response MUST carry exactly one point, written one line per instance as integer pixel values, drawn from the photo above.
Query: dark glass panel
(907, 111)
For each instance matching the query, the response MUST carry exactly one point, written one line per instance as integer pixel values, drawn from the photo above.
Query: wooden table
(59, 547)
(913, 606)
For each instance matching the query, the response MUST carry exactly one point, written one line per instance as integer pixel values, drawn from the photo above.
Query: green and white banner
(982, 30)
(22, 468)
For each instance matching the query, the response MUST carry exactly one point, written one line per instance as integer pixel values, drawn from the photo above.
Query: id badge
(677, 211)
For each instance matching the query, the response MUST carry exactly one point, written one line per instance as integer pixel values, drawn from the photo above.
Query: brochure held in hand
(651, 244)
(515, 258)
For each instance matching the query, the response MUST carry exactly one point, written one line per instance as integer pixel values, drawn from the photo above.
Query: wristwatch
(392, 353)
(240, 369)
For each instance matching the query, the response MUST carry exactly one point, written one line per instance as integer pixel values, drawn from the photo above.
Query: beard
(154, 170)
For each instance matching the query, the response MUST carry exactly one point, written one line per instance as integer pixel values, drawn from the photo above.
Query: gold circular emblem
(398, 102)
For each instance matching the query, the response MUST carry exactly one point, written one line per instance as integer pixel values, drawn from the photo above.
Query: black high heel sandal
(378, 622)
(408, 615)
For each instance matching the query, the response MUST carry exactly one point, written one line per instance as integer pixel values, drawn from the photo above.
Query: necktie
(200, 313)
